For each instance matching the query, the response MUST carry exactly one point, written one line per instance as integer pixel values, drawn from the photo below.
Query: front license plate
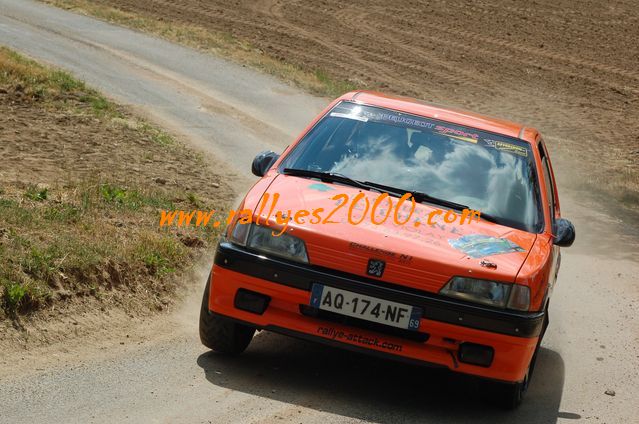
(365, 307)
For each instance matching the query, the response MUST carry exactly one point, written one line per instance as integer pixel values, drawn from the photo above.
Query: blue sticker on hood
(320, 187)
(478, 245)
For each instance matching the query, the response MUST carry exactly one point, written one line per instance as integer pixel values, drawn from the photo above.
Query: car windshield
(488, 172)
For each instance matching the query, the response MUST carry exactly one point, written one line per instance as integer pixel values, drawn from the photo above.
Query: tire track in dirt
(588, 126)
(272, 10)
(528, 50)
(493, 92)
(472, 36)
(283, 27)
(424, 62)
(521, 55)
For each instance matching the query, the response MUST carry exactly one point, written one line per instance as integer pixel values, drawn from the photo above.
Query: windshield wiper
(419, 196)
(492, 218)
(329, 177)
(367, 185)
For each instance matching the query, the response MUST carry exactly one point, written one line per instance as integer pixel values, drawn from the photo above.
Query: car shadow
(359, 386)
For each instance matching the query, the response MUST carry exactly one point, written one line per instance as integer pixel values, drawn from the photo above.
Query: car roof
(444, 113)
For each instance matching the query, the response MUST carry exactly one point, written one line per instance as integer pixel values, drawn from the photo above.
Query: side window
(547, 181)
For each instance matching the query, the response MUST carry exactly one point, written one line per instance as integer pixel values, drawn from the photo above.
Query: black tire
(510, 395)
(507, 395)
(221, 334)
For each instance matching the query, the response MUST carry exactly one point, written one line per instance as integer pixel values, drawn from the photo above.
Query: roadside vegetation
(82, 183)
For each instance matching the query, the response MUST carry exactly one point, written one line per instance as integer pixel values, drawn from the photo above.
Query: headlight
(519, 298)
(239, 233)
(261, 239)
(493, 293)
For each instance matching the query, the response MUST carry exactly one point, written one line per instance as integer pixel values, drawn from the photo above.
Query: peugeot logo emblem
(375, 267)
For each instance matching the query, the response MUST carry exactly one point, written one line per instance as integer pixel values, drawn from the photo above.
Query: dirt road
(156, 370)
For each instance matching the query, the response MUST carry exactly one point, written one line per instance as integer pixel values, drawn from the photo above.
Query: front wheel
(507, 395)
(221, 334)
(510, 395)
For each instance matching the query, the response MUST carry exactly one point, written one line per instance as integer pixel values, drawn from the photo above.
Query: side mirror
(564, 232)
(263, 162)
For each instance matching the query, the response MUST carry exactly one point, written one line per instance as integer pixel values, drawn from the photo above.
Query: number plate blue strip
(415, 316)
(316, 295)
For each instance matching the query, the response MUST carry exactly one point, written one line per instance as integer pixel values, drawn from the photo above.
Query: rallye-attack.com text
(339, 335)
(401, 212)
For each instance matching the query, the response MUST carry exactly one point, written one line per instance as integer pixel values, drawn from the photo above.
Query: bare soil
(566, 68)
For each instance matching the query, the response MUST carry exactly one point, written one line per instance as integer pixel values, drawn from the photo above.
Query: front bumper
(445, 325)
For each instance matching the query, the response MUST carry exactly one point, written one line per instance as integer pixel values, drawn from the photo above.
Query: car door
(553, 205)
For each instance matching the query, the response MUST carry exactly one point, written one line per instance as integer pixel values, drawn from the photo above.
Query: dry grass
(221, 44)
(38, 83)
(94, 233)
(68, 241)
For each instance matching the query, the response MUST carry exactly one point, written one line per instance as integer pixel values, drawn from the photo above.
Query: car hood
(418, 255)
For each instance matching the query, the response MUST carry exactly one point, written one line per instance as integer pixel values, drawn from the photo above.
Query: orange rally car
(354, 237)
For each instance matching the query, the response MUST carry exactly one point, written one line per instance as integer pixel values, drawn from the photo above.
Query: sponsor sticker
(479, 245)
(508, 147)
